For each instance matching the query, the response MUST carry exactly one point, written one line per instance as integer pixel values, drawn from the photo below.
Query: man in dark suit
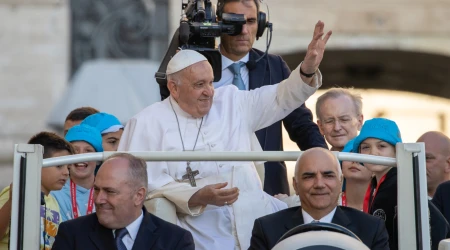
(120, 221)
(442, 199)
(318, 182)
(237, 51)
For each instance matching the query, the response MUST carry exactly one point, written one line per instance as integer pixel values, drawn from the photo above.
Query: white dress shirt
(132, 229)
(327, 218)
(227, 76)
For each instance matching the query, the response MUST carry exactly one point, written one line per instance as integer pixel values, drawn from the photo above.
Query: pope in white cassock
(218, 207)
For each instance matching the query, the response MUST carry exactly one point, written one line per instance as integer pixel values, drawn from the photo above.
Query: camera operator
(248, 69)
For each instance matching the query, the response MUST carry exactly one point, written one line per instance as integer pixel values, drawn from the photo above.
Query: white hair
(338, 92)
(176, 77)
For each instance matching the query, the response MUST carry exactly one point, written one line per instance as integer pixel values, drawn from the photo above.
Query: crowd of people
(224, 205)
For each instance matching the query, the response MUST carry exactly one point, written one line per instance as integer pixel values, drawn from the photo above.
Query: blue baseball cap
(85, 133)
(378, 128)
(104, 122)
(349, 146)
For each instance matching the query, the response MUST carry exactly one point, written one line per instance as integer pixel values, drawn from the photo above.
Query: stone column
(34, 39)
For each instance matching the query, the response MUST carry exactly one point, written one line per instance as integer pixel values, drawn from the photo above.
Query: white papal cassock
(229, 126)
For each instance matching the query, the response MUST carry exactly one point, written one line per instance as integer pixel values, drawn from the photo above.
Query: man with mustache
(121, 222)
(318, 182)
(216, 201)
(239, 67)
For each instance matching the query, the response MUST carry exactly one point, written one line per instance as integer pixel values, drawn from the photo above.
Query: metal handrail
(216, 156)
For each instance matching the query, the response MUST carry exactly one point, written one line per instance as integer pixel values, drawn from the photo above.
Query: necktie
(235, 68)
(315, 221)
(120, 233)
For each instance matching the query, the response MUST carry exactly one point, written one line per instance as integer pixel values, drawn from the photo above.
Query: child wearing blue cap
(110, 128)
(378, 137)
(76, 197)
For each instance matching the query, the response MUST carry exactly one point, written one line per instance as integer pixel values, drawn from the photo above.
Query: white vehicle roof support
(26, 194)
(412, 200)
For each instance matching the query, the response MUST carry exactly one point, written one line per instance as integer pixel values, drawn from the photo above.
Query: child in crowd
(52, 178)
(110, 128)
(76, 116)
(357, 178)
(378, 137)
(76, 197)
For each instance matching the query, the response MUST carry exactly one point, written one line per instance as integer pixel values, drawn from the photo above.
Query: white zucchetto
(184, 59)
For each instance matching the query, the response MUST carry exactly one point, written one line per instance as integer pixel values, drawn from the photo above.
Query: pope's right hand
(214, 194)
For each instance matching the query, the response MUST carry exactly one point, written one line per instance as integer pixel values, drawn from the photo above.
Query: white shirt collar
(327, 218)
(226, 62)
(133, 228)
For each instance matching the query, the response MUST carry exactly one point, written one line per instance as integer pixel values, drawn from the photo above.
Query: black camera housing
(198, 31)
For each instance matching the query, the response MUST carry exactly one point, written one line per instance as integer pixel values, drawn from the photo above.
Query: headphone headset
(262, 24)
(261, 18)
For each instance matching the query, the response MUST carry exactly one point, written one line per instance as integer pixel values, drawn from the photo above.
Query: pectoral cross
(190, 175)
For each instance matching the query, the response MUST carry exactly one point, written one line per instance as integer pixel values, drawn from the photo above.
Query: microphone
(251, 64)
(184, 32)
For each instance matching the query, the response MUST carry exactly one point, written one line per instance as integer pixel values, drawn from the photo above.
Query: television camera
(198, 30)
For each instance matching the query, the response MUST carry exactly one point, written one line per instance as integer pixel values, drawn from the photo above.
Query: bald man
(437, 151)
(121, 220)
(318, 182)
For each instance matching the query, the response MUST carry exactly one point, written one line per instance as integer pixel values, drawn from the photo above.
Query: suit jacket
(384, 205)
(154, 233)
(299, 124)
(439, 227)
(269, 229)
(442, 199)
